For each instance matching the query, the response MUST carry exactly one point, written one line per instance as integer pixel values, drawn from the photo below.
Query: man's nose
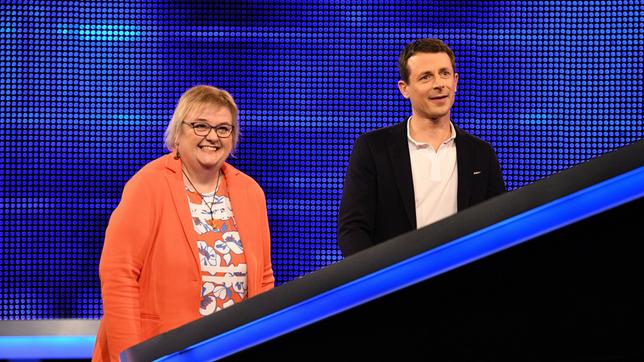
(439, 83)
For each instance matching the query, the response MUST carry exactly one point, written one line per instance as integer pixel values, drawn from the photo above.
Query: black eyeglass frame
(226, 128)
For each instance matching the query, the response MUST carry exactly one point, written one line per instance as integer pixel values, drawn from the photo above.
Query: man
(421, 170)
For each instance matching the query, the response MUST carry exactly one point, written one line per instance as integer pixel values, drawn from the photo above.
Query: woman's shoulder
(157, 165)
(236, 177)
(153, 171)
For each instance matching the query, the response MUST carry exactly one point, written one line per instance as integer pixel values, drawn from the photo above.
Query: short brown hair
(429, 45)
(194, 99)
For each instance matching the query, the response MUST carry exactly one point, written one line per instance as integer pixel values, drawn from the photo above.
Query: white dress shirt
(435, 177)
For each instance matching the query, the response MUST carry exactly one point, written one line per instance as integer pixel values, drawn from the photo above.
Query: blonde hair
(194, 99)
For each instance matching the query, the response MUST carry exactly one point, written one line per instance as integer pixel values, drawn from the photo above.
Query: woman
(190, 235)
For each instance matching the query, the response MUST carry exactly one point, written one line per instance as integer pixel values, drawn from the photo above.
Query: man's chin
(437, 116)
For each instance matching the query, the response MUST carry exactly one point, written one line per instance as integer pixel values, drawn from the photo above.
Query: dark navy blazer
(378, 197)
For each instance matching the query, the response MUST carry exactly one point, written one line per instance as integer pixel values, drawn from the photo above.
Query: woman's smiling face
(205, 153)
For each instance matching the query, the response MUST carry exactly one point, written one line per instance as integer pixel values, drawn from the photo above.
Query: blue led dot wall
(87, 89)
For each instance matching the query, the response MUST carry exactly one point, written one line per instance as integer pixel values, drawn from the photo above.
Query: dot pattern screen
(88, 88)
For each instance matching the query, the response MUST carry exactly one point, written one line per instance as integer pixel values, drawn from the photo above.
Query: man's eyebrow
(430, 72)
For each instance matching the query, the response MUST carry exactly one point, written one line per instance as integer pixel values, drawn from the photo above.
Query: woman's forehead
(200, 109)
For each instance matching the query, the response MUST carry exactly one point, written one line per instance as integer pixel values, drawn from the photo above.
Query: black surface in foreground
(573, 294)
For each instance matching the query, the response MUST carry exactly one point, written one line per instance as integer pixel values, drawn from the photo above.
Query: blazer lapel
(180, 202)
(401, 165)
(465, 168)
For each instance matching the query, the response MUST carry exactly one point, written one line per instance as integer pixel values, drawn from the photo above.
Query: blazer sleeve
(356, 218)
(495, 185)
(127, 240)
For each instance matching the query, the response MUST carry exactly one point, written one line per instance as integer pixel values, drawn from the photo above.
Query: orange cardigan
(149, 269)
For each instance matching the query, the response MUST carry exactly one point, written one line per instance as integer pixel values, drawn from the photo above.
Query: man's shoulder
(384, 133)
(463, 135)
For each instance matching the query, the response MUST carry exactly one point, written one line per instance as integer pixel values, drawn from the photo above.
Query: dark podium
(550, 271)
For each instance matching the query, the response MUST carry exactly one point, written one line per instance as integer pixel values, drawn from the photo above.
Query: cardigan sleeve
(268, 279)
(127, 241)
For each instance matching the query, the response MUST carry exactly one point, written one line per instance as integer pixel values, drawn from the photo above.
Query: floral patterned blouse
(221, 253)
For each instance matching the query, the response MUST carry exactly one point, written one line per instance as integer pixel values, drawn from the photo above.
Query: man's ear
(402, 87)
(455, 82)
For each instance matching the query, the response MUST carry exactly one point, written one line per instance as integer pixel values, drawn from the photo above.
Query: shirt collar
(419, 144)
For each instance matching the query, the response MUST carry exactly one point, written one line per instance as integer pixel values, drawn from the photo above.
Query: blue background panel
(87, 89)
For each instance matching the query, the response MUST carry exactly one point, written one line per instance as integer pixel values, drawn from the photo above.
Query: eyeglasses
(203, 129)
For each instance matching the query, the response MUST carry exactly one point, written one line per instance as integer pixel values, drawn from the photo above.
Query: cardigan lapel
(465, 168)
(242, 211)
(245, 216)
(401, 165)
(174, 179)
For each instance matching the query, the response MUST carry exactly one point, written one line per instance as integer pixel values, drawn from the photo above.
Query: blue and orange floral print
(221, 252)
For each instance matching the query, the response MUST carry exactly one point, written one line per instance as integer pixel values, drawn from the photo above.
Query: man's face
(431, 86)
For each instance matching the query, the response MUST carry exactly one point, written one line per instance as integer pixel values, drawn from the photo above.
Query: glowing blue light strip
(507, 233)
(37, 347)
